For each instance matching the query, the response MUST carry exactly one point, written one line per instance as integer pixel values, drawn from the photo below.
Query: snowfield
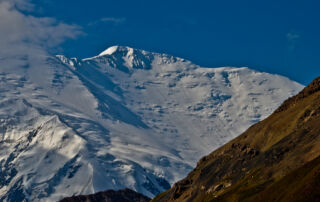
(125, 118)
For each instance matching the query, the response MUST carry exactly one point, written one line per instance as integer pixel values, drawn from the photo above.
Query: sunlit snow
(125, 118)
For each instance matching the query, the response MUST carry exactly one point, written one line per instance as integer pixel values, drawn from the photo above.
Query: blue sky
(280, 37)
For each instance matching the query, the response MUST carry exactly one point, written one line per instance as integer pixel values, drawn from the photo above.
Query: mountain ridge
(313, 87)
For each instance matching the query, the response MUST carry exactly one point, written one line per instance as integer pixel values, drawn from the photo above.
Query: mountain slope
(276, 159)
(125, 118)
(302, 184)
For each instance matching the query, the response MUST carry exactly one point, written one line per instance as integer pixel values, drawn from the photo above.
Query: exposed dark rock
(124, 195)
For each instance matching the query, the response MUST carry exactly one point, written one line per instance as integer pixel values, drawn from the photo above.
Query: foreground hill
(125, 195)
(125, 118)
(277, 159)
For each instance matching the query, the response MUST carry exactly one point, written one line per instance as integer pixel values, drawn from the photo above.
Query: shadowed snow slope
(125, 118)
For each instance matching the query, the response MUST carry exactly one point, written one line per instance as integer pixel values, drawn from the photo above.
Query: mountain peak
(114, 49)
(133, 58)
(127, 57)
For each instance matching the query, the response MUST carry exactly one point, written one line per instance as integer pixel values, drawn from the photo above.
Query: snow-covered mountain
(125, 118)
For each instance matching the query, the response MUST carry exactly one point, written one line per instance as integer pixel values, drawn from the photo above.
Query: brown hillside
(274, 160)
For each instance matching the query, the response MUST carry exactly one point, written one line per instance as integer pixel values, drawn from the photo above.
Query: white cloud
(20, 32)
(292, 38)
(112, 20)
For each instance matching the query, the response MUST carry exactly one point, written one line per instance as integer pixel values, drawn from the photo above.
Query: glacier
(124, 118)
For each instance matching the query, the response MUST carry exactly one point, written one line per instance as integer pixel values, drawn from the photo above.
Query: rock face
(125, 195)
(277, 159)
(125, 118)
